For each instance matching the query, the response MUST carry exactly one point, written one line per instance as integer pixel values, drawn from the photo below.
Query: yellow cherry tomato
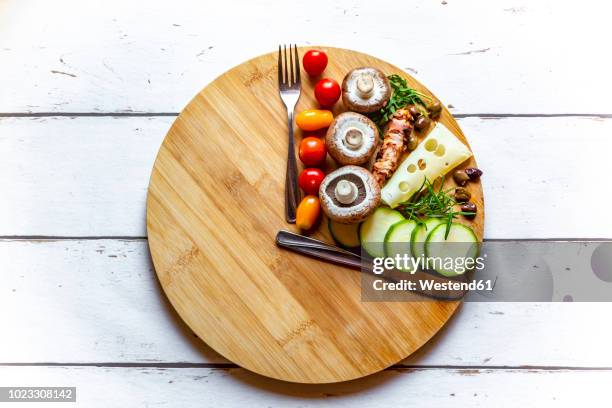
(314, 119)
(307, 212)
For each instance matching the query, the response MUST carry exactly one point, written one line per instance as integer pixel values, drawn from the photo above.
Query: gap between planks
(71, 238)
(171, 114)
(52, 238)
(228, 366)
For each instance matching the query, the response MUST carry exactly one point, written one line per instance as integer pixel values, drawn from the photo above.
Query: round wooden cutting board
(214, 206)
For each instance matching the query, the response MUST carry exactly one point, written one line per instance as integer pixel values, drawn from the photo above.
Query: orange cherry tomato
(314, 119)
(307, 212)
(312, 151)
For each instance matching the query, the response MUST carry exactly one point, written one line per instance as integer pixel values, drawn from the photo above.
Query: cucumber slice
(373, 230)
(346, 235)
(420, 233)
(397, 240)
(461, 245)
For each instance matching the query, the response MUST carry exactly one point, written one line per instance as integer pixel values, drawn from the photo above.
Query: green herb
(401, 96)
(432, 202)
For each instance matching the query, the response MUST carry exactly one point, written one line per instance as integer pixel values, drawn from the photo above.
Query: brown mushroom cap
(351, 138)
(356, 208)
(365, 90)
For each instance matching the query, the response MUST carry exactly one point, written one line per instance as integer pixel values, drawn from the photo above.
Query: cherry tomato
(307, 212)
(312, 151)
(314, 62)
(327, 91)
(314, 119)
(310, 179)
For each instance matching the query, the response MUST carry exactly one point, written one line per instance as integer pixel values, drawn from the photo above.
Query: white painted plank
(545, 177)
(88, 176)
(480, 56)
(81, 301)
(98, 301)
(205, 387)
(77, 176)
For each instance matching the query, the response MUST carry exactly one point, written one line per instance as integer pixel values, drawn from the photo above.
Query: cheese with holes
(435, 156)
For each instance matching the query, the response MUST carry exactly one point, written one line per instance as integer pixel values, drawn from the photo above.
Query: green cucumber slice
(397, 240)
(420, 233)
(345, 235)
(373, 230)
(461, 243)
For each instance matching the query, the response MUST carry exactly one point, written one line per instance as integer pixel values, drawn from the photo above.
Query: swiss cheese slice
(435, 156)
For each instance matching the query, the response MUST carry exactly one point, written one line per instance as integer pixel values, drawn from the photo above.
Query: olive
(462, 195)
(414, 111)
(460, 177)
(469, 207)
(412, 142)
(422, 123)
(435, 109)
(473, 173)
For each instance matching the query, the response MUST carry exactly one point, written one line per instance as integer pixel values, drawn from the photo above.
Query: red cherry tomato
(310, 179)
(312, 151)
(314, 62)
(327, 91)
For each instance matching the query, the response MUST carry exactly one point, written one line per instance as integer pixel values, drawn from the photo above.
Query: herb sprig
(401, 96)
(432, 202)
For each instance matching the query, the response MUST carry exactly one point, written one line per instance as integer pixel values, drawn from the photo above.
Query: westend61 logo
(491, 271)
(447, 271)
(433, 276)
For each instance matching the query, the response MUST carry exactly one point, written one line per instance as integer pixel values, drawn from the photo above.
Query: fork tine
(280, 66)
(297, 65)
(286, 80)
(291, 68)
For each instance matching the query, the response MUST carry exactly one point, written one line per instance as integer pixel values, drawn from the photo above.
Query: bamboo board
(215, 204)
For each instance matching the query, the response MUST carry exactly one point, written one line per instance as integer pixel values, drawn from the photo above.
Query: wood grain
(213, 210)
(147, 59)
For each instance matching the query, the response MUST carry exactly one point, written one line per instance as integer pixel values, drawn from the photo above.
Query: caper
(412, 142)
(435, 109)
(469, 207)
(414, 111)
(473, 173)
(422, 123)
(462, 195)
(460, 177)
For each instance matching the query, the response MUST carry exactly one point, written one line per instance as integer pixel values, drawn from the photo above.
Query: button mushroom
(365, 90)
(351, 138)
(349, 194)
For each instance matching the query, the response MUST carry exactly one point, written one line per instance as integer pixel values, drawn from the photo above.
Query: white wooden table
(88, 91)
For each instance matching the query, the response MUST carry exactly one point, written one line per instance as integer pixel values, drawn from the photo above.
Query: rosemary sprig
(432, 202)
(401, 96)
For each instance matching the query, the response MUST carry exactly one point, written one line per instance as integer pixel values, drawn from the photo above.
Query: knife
(320, 250)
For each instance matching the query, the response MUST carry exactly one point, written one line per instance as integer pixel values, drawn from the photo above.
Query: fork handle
(292, 193)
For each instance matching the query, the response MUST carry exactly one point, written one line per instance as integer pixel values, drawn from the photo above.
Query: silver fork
(289, 88)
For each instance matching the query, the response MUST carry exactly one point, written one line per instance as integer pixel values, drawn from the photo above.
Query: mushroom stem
(346, 192)
(365, 85)
(353, 138)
